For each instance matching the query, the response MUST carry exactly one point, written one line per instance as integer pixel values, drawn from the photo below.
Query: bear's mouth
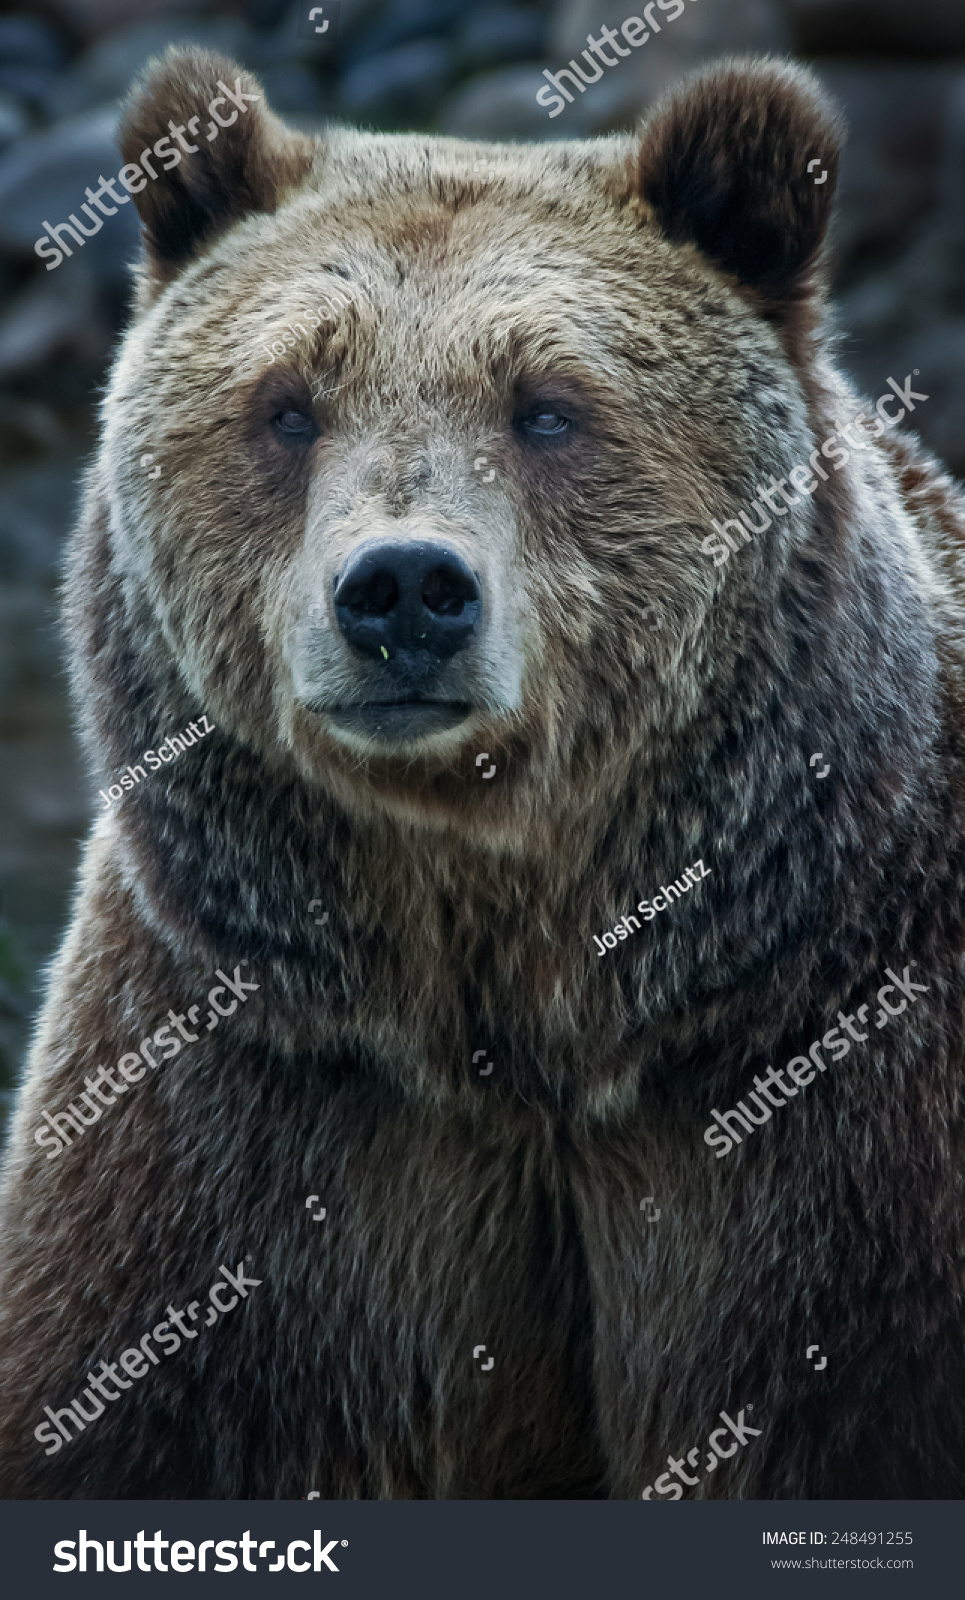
(400, 719)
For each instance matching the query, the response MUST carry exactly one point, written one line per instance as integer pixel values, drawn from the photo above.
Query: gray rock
(30, 56)
(30, 423)
(873, 310)
(698, 35)
(403, 21)
(27, 41)
(942, 360)
(891, 171)
(106, 71)
(699, 32)
(91, 19)
(42, 319)
(405, 83)
(43, 179)
(496, 34)
(952, 192)
(934, 355)
(27, 83)
(291, 86)
(14, 121)
(503, 105)
(37, 507)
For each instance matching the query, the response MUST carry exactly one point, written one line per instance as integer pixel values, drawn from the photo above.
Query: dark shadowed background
(896, 66)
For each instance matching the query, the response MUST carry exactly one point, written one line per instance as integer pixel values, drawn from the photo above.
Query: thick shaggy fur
(664, 291)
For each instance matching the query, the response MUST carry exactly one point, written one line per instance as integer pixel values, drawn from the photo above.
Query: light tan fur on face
(639, 353)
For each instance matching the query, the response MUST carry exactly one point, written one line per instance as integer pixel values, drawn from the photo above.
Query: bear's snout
(418, 601)
(404, 608)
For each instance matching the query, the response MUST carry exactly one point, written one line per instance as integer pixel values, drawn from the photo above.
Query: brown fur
(664, 290)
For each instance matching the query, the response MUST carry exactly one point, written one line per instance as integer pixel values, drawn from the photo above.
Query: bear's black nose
(407, 596)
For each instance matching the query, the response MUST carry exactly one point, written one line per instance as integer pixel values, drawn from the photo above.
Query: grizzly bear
(488, 1208)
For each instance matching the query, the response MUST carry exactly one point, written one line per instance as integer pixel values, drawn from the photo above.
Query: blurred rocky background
(897, 67)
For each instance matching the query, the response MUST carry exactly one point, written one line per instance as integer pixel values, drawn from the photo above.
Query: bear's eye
(544, 423)
(295, 425)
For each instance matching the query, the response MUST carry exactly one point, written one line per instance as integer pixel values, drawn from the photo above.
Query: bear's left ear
(743, 163)
(207, 151)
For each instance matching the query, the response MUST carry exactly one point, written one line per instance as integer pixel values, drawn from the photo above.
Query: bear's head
(441, 428)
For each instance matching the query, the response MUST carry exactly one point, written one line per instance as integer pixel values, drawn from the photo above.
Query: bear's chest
(441, 1306)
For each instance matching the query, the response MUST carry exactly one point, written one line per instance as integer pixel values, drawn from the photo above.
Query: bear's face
(431, 443)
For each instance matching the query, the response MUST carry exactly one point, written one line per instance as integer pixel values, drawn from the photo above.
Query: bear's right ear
(727, 164)
(208, 152)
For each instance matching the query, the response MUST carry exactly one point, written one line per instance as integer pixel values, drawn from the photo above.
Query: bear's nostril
(447, 589)
(374, 597)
